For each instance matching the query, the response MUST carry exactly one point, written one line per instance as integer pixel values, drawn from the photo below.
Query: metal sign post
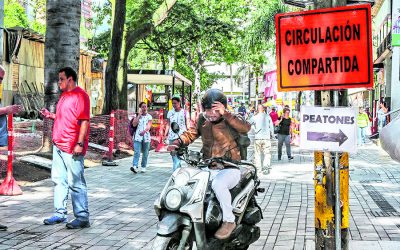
(338, 214)
(327, 49)
(1, 29)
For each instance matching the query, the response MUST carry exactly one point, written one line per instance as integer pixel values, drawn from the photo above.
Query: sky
(104, 26)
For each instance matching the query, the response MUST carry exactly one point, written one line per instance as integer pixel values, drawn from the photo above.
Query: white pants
(262, 154)
(226, 179)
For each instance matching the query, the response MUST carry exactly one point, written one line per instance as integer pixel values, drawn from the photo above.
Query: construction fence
(29, 135)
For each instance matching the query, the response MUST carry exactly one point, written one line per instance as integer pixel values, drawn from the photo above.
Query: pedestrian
(264, 131)
(368, 112)
(273, 114)
(362, 124)
(280, 112)
(215, 126)
(284, 134)
(242, 110)
(4, 111)
(381, 115)
(178, 115)
(295, 128)
(194, 115)
(70, 143)
(251, 113)
(141, 139)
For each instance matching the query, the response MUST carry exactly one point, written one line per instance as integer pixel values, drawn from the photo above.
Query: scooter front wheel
(169, 242)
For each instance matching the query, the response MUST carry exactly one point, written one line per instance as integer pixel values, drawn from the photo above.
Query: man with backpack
(141, 125)
(221, 133)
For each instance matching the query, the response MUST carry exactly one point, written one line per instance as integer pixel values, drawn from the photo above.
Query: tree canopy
(14, 15)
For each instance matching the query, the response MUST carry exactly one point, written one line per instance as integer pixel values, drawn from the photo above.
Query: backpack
(131, 128)
(241, 139)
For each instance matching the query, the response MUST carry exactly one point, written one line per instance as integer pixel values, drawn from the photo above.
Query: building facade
(386, 29)
(86, 16)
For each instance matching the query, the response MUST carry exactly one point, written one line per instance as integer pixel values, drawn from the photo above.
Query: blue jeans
(176, 162)
(67, 173)
(138, 146)
(281, 140)
(361, 135)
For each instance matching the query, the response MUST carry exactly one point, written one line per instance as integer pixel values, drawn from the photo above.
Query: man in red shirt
(70, 143)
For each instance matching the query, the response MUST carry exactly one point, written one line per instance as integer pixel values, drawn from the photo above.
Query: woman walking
(381, 115)
(284, 134)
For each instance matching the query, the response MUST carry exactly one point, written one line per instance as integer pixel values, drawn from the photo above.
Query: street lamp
(299, 3)
(372, 2)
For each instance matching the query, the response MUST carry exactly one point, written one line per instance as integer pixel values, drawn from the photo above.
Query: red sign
(324, 49)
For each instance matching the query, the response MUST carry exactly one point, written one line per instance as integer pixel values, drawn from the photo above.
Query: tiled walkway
(122, 215)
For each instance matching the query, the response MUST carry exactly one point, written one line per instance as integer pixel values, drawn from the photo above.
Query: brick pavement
(122, 215)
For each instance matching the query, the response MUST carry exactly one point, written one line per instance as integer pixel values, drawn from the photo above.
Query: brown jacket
(217, 138)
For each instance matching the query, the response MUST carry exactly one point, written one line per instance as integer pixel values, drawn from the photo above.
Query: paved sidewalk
(374, 201)
(122, 215)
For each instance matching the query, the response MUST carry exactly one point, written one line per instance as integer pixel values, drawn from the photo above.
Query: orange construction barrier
(10, 186)
(161, 146)
(109, 161)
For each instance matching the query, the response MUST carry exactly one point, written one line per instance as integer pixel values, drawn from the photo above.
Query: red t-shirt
(274, 116)
(72, 108)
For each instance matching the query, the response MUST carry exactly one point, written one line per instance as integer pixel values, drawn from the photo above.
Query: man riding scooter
(215, 128)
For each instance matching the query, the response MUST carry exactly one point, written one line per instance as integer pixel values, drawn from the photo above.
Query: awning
(157, 77)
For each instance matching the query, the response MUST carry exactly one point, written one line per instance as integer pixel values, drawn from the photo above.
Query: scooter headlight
(181, 179)
(173, 199)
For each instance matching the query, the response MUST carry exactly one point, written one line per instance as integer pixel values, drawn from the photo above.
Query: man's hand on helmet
(218, 107)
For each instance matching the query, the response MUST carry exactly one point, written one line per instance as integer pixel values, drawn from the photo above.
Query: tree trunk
(122, 76)
(111, 93)
(197, 80)
(231, 80)
(163, 61)
(61, 50)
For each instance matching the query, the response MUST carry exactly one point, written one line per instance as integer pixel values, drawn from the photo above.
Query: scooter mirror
(175, 127)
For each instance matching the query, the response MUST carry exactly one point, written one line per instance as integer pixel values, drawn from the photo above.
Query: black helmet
(211, 96)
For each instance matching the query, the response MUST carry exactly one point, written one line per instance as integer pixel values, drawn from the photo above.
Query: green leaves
(196, 32)
(14, 15)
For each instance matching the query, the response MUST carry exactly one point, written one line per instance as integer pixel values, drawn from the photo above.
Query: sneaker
(134, 169)
(225, 230)
(77, 224)
(3, 228)
(143, 170)
(54, 220)
(290, 158)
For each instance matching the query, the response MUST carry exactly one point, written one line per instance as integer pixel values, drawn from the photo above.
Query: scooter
(189, 212)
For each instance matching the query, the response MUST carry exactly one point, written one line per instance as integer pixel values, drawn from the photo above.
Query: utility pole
(1, 42)
(231, 81)
(250, 76)
(1, 29)
(331, 168)
(331, 204)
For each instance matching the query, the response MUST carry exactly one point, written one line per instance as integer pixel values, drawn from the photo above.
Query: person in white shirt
(178, 115)
(264, 131)
(141, 139)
